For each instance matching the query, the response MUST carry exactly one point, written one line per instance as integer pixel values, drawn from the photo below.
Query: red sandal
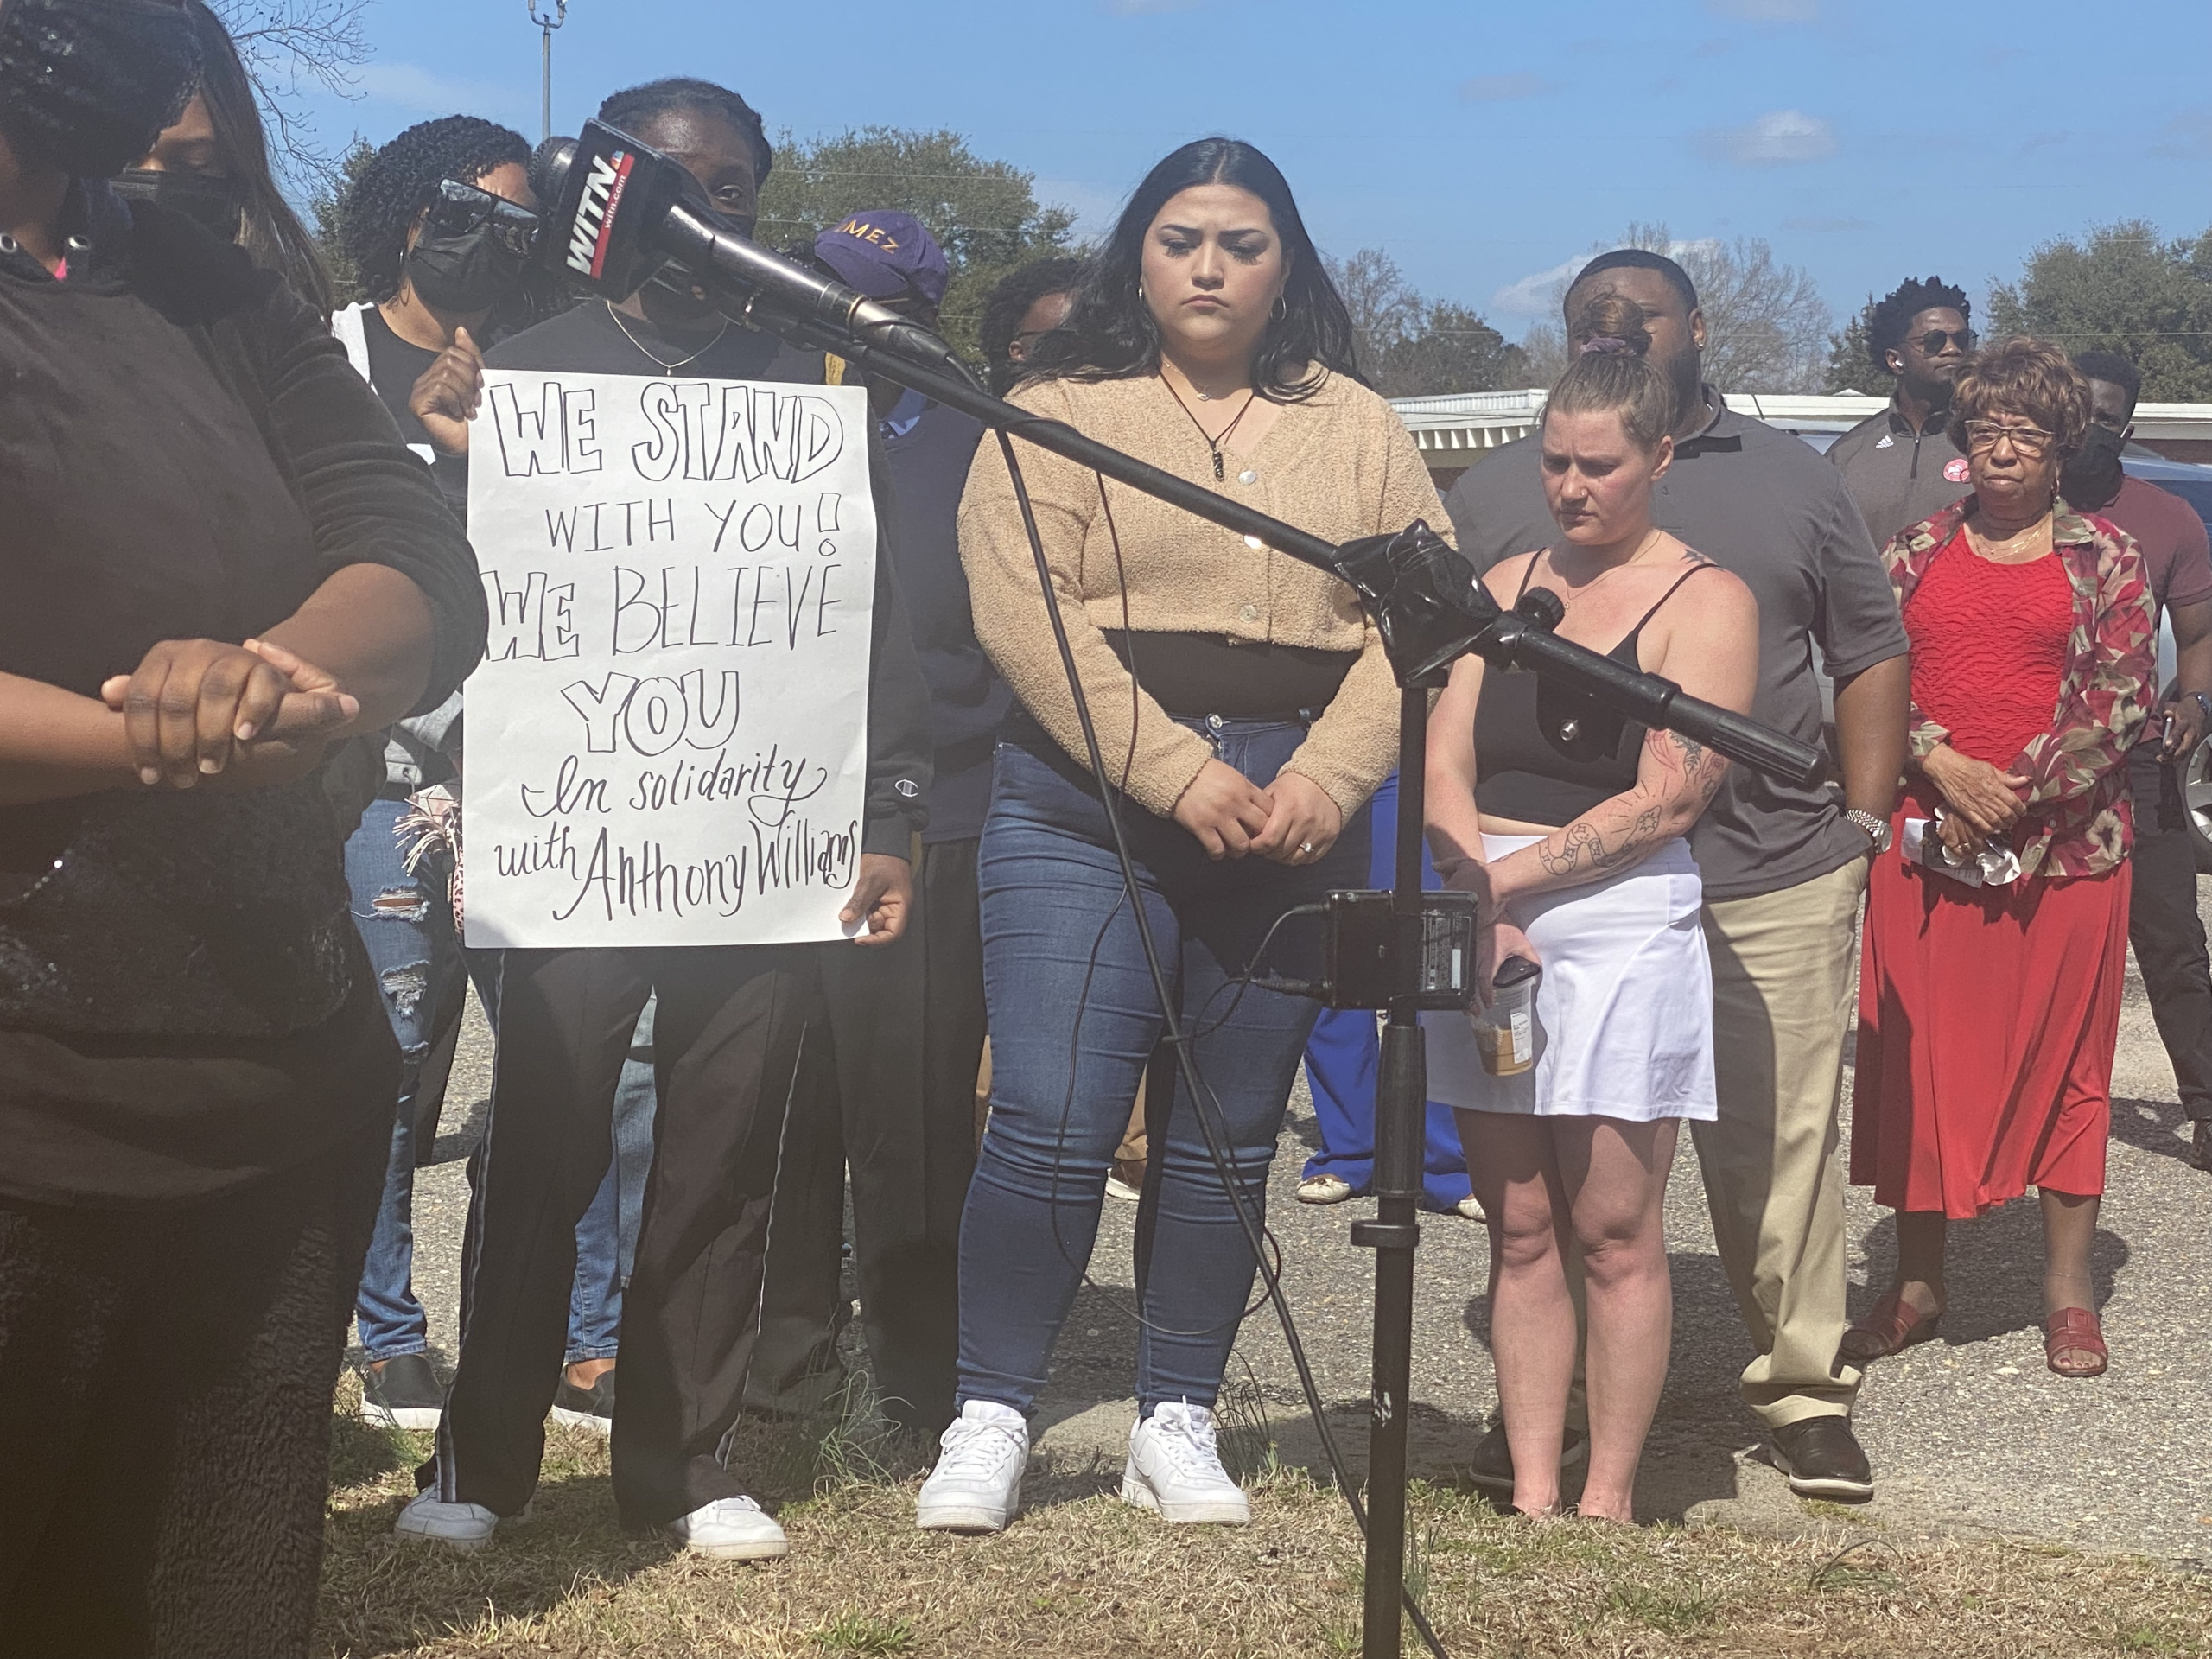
(1888, 1327)
(2075, 1331)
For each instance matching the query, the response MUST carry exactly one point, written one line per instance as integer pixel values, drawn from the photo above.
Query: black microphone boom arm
(622, 211)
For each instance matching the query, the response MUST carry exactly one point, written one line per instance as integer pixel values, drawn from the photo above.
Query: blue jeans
(606, 1238)
(1052, 905)
(1344, 1054)
(406, 923)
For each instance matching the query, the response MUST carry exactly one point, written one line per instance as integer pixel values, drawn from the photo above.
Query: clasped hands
(1984, 802)
(245, 716)
(1292, 821)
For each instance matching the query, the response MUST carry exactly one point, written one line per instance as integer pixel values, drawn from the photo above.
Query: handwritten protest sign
(666, 743)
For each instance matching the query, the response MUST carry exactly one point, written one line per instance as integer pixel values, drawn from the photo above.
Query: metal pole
(548, 18)
(1400, 1106)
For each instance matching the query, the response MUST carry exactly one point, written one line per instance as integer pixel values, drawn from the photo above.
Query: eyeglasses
(1933, 341)
(458, 208)
(2031, 441)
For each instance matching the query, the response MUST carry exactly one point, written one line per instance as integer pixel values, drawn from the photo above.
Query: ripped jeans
(407, 925)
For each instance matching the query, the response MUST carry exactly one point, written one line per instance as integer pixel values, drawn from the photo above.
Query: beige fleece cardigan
(1338, 464)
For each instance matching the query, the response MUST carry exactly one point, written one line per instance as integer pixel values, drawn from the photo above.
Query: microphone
(618, 211)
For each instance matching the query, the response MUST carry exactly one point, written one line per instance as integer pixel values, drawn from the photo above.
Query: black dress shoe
(402, 1393)
(1492, 1466)
(1822, 1457)
(2199, 1149)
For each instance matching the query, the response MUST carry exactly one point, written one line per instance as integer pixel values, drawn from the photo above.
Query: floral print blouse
(2078, 819)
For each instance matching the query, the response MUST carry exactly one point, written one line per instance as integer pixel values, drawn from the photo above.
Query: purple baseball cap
(887, 256)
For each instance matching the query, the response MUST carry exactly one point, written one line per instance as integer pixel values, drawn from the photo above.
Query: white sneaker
(977, 1485)
(1174, 1468)
(464, 1527)
(1324, 1189)
(1471, 1207)
(731, 1529)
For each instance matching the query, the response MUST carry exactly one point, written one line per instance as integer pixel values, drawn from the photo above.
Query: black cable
(1211, 1127)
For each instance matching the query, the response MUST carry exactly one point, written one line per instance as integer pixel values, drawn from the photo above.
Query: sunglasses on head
(458, 208)
(1934, 339)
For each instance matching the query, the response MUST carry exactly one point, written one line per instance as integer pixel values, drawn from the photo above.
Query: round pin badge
(1955, 470)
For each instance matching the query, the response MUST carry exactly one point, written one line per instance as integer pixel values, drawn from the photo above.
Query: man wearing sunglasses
(1900, 466)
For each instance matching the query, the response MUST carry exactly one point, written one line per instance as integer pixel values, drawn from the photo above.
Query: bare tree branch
(1767, 327)
(290, 47)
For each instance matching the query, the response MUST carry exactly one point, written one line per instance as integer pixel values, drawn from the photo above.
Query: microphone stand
(1430, 610)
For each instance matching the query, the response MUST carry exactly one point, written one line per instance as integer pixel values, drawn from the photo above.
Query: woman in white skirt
(1568, 822)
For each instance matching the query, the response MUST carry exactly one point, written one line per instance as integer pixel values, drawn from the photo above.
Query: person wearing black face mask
(212, 166)
(219, 563)
(2163, 921)
(728, 1026)
(1900, 466)
(423, 226)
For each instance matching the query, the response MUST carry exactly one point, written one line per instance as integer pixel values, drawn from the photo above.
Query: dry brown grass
(1081, 1576)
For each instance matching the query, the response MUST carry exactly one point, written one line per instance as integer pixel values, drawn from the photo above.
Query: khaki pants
(1781, 966)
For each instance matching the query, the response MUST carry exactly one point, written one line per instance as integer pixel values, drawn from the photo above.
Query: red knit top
(1989, 643)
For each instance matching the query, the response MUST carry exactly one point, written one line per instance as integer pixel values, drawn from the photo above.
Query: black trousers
(728, 1037)
(2167, 931)
(165, 1380)
(889, 1096)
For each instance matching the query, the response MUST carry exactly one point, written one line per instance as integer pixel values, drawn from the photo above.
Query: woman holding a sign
(638, 829)
(1246, 714)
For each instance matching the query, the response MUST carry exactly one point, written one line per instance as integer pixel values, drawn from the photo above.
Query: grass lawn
(1081, 1576)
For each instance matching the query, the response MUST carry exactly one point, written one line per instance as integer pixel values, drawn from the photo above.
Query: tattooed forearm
(1629, 827)
(1635, 843)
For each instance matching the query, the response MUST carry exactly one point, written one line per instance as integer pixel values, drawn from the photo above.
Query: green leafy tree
(322, 208)
(1410, 346)
(1850, 369)
(984, 213)
(2123, 289)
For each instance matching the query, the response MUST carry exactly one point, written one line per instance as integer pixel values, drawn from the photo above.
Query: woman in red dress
(1996, 935)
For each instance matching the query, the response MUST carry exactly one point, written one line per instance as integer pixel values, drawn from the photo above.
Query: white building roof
(1469, 422)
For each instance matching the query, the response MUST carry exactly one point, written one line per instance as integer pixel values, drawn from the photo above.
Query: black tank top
(1545, 754)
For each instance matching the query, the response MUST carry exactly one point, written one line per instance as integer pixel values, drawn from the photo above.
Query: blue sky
(1481, 144)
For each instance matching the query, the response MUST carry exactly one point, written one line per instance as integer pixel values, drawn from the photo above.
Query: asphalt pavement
(1968, 1433)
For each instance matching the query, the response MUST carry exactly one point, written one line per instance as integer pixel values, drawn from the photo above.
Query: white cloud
(412, 87)
(1500, 89)
(1539, 294)
(1766, 11)
(1778, 138)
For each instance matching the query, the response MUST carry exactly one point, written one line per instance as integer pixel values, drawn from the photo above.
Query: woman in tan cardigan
(1244, 713)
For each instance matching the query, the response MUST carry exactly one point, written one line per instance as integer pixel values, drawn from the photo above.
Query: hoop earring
(1279, 310)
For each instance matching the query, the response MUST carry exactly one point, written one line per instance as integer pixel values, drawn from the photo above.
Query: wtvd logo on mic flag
(667, 741)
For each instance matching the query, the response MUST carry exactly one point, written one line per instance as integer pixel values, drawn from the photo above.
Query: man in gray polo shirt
(1784, 867)
(1901, 465)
